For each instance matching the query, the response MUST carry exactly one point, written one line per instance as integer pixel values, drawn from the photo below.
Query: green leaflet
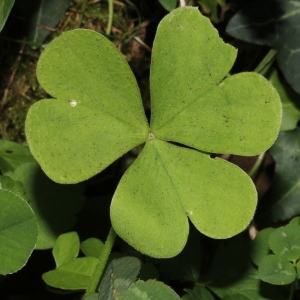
(18, 232)
(190, 102)
(97, 116)
(187, 184)
(5, 8)
(108, 119)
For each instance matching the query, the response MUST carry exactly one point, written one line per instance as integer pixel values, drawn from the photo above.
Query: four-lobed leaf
(96, 119)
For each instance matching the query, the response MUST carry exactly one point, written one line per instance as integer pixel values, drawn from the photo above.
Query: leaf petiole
(102, 263)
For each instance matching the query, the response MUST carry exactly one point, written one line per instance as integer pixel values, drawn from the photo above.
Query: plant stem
(82, 10)
(264, 65)
(102, 263)
(292, 289)
(257, 164)
(110, 16)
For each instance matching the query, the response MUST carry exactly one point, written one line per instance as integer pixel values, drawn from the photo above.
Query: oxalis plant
(196, 110)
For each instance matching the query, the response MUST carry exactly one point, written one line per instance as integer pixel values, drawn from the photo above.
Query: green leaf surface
(274, 23)
(108, 119)
(198, 292)
(260, 245)
(281, 202)
(290, 102)
(295, 221)
(92, 247)
(187, 184)
(73, 275)
(13, 155)
(168, 4)
(118, 277)
(150, 290)
(285, 242)
(6, 183)
(5, 8)
(54, 205)
(94, 296)
(45, 14)
(18, 232)
(276, 270)
(190, 102)
(66, 248)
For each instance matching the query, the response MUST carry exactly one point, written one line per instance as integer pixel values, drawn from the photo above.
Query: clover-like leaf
(98, 114)
(187, 184)
(285, 242)
(190, 102)
(276, 270)
(94, 121)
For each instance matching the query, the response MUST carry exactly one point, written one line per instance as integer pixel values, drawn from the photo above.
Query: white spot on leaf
(73, 103)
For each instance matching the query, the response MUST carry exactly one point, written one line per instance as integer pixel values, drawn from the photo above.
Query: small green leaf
(295, 221)
(47, 13)
(192, 105)
(149, 290)
(187, 183)
(6, 183)
(290, 101)
(285, 242)
(275, 24)
(66, 248)
(18, 232)
(260, 245)
(281, 202)
(276, 270)
(13, 155)
(5, 8)
(119, 276)
(94, 296)
(55, 205)
(92, 247)
(198, 292)
(108, 119)
(168, 4)
(73, 275)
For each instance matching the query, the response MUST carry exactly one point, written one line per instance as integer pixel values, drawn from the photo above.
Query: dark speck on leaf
(8, 151)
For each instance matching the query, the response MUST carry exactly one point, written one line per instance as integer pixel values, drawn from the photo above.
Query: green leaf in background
(6, 183)
(168, 4)
(276, 270)
(91, 247)
(54, 205)
(274, 23)
(93, 296)
(193, 105)
(260, 245)
(108, 119)
(72, 275)
(290, 102)
(66, 248)
(198, 292)
(281, 202)
(118, 277)
(211, 6)
(47, 14)
(13, 155)
(18, 232)
(149, 290)
(5, 8)
(285, 242)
